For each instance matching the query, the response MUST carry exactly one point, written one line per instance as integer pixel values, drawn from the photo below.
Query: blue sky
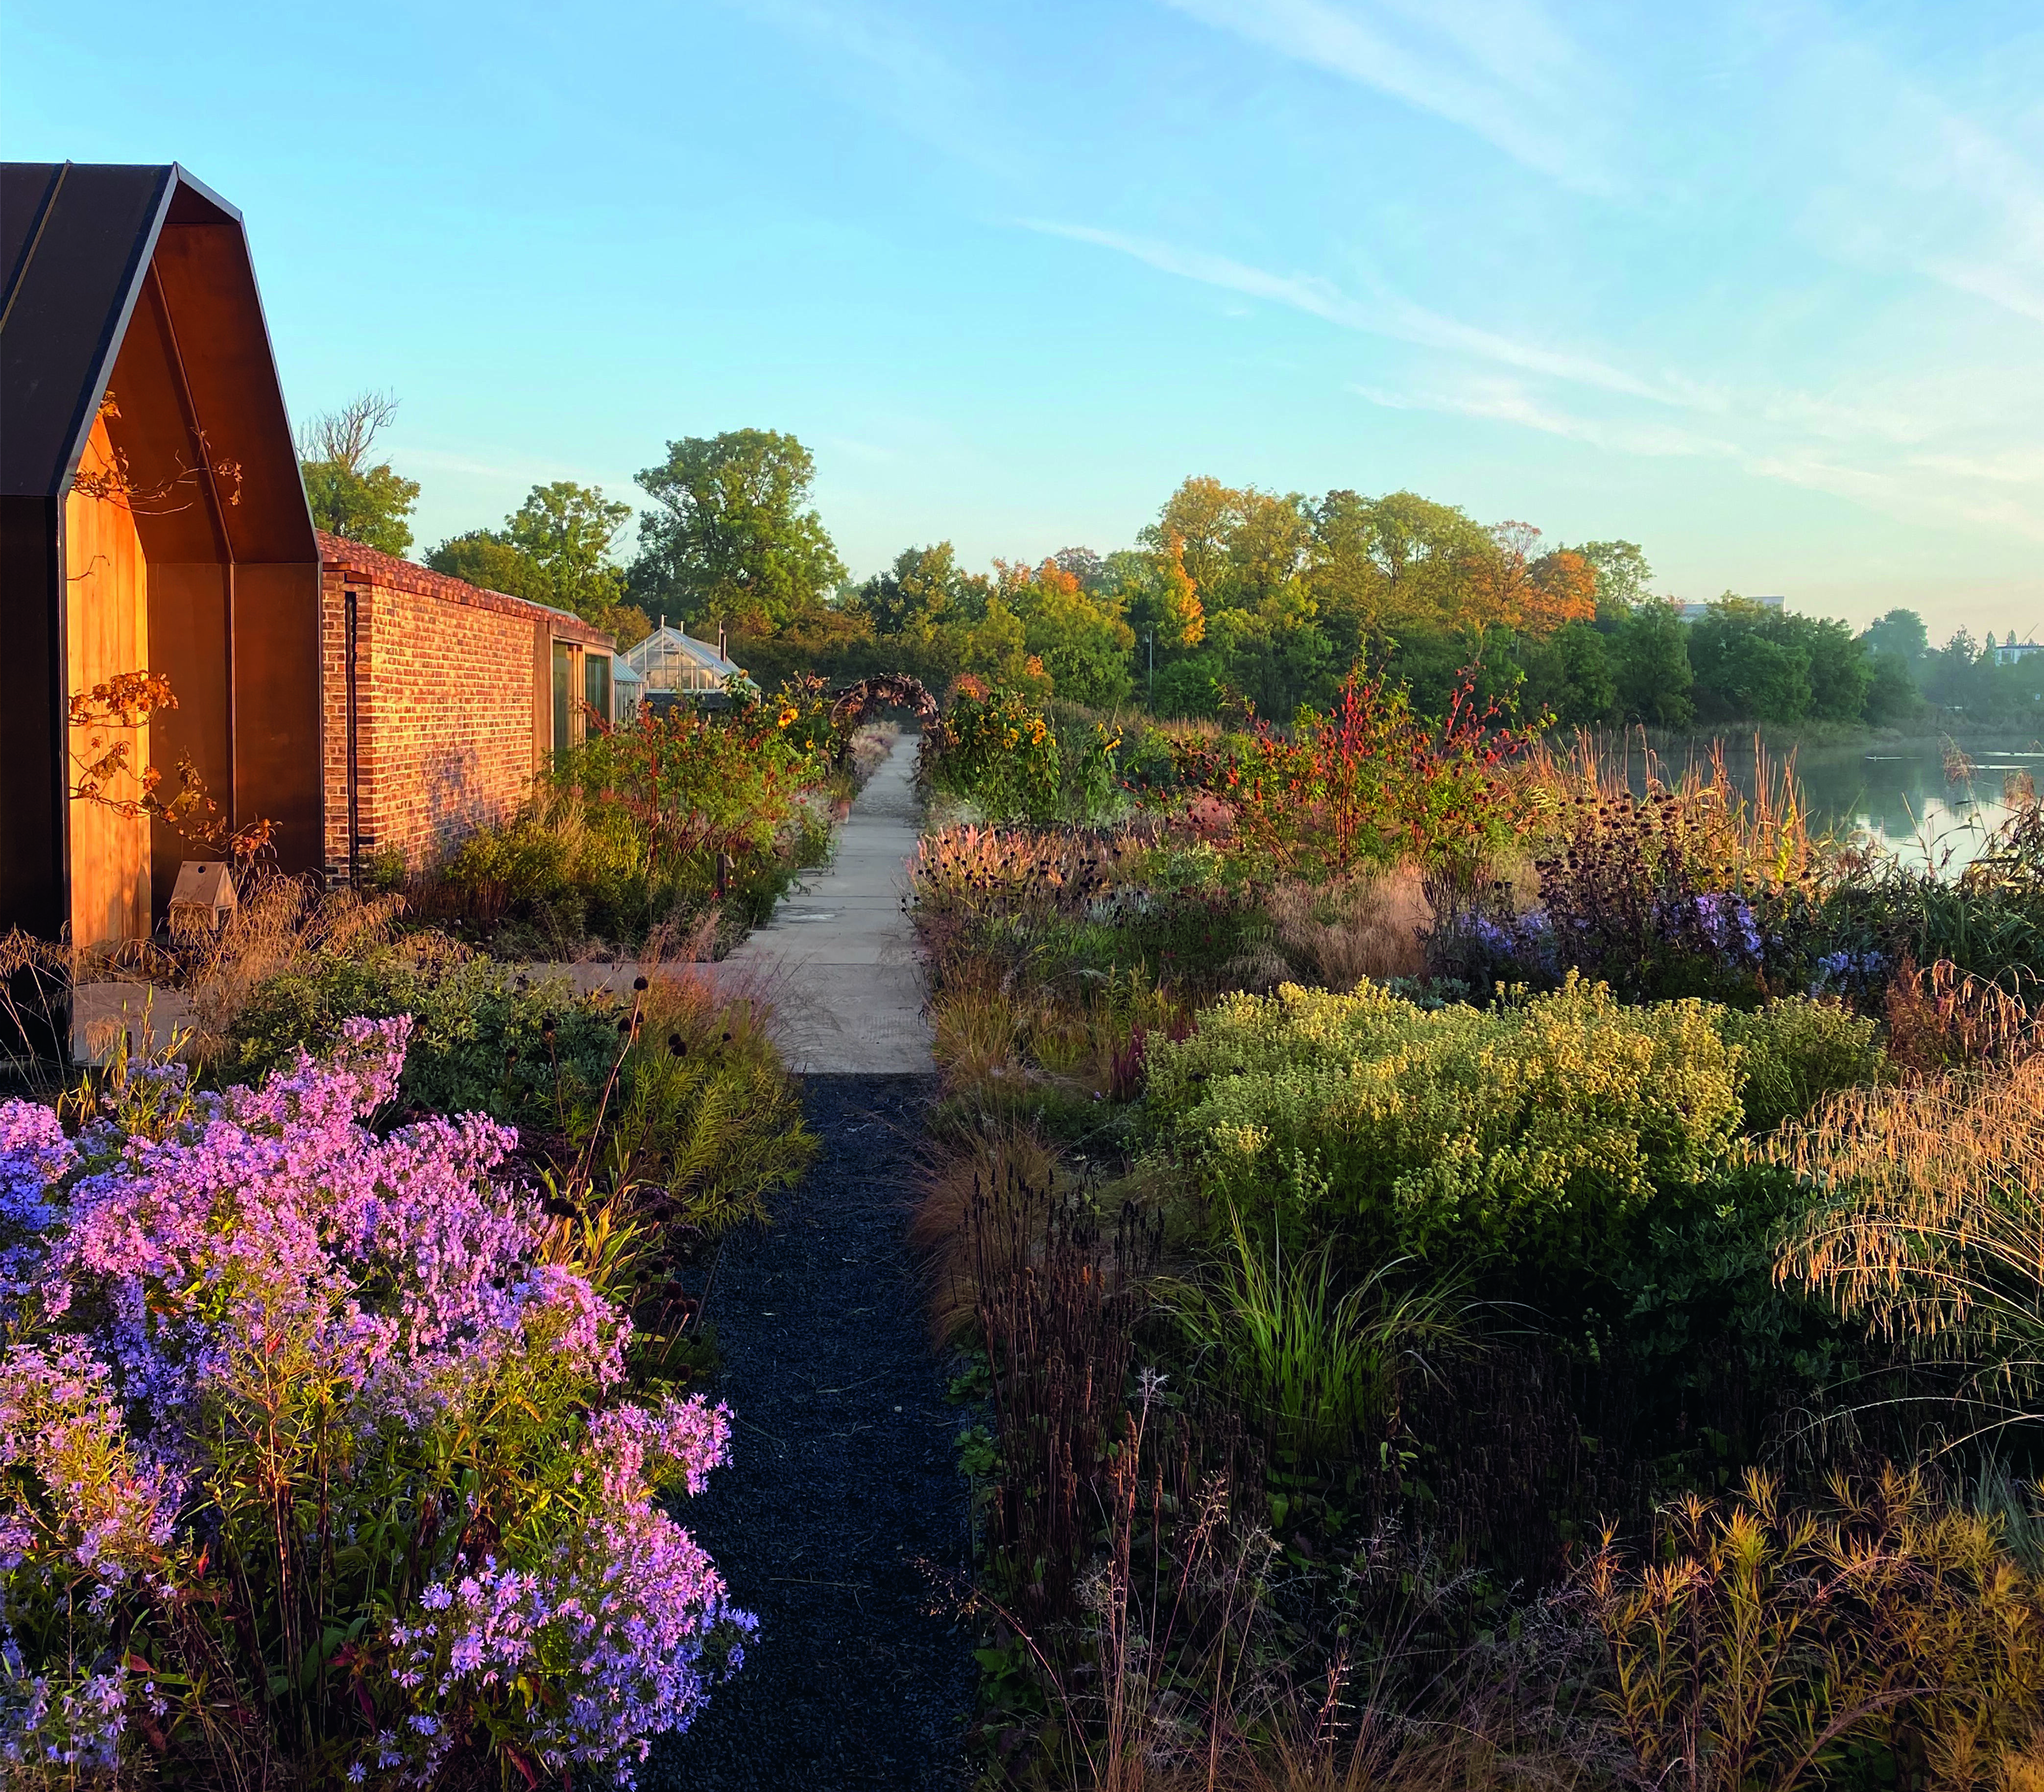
(1761, 287)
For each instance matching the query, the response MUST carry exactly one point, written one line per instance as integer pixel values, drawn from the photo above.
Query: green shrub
(997, 750)
(703, 1119)
(1532, 1132)
(1793, 1052)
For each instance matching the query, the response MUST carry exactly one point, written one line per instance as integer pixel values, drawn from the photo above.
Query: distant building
(1696, 612)
(674, 665)
(2014, 653)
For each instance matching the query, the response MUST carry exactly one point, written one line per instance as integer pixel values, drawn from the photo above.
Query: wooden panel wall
(106, 628)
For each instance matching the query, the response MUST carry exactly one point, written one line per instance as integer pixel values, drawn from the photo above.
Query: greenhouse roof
(667, 652)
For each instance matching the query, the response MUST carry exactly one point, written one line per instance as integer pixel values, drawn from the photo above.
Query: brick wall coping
(386, 570)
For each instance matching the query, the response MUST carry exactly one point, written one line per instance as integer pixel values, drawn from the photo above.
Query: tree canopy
(554, 549)
(1233, 597)
(348, 496)
(732, 535)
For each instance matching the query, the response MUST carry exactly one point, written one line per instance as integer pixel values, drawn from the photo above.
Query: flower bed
(315, 1451)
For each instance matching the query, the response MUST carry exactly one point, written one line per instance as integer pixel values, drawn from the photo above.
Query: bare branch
(346, 435)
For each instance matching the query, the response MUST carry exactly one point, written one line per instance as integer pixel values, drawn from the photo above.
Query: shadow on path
(841, 1516)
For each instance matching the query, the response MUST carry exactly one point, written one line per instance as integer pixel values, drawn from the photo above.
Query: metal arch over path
(885, 690)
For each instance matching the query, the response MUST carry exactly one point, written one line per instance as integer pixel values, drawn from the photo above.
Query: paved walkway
(838, 955)
(837, 959)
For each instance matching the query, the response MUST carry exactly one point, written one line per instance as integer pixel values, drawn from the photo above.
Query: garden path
(842, 1519)
(838, 957)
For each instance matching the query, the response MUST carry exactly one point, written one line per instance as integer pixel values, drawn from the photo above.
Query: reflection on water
(1899, 794)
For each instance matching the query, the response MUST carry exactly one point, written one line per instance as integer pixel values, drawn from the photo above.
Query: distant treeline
(1233, 600)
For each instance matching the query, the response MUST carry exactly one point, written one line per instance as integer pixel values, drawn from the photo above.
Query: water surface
(1908, 796)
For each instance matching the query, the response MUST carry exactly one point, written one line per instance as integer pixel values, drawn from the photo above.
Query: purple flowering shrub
(312, 1450)
(1681, 892)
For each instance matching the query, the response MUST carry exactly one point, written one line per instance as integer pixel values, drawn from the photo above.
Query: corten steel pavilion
(152, 517)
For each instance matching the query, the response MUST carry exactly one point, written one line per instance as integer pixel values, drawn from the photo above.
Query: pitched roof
(340, 554)
(78, 244)
(666, 647)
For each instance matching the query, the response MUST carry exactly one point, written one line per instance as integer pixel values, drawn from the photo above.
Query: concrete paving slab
(840, 951)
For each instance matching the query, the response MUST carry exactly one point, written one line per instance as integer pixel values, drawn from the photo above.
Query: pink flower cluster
(396, 1265)
(272, 1234)
(627, 1597)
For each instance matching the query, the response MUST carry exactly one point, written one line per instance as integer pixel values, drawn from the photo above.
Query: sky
(1758, 286)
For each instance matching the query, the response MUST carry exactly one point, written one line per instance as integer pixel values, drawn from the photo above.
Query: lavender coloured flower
(244, 1251)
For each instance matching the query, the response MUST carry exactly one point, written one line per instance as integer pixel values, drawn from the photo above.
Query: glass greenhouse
(673, 664)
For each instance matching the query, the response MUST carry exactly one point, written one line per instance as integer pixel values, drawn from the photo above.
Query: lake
(1899, 794)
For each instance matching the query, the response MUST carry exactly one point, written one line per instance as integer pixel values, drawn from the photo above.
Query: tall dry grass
(1370, 925)
(281, 924)
(1932, 1226)
(987, 1161)
(1764, 832)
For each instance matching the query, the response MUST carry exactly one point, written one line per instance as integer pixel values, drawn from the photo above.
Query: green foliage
(732, 534)
(702, 1124)
(1320, 1367)
(1654, 678)
(483, 557)
(1757, 664)
(998, 750)
(1369, 781)
(625, 831)
(1079, 640)
(1529, 1133)
(1793, 1053)
(1761, 1648)
(348, 497)
(369, 505)
(555, 548)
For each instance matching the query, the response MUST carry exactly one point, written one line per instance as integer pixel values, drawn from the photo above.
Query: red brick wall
(445, 678)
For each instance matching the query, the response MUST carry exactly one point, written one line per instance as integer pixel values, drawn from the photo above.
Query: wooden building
(152, 518)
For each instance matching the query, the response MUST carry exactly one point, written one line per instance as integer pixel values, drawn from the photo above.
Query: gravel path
(841, 1519)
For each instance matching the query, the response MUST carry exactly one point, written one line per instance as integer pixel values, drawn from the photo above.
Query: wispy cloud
(1503, 402)
(1501, 68)
(1385, 314)
(1901, 176)
(885, 63)
(1939, 488)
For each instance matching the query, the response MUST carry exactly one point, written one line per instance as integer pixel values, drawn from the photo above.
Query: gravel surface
(842, 1518)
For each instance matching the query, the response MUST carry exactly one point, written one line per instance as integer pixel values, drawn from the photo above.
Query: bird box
(204, 896)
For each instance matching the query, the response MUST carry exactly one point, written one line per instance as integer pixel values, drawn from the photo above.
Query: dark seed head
(727, 1039)
(624, 1025)
(679, 1046)
(638, 983)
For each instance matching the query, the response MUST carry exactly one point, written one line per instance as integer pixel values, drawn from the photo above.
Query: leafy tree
(570, 530)
(1520, 588)
(1080, 640)
(1241, 548)
(733, 535)
(1900, 632)
(348, 496)
(924, 591)
(483, 557)
(1742, 674)
(1623, 575)
(1752, 663)
(1571, 673)
(1652, 667)
(1891, 695)
(1157, 598)
(1386, 565)
(554, 549)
